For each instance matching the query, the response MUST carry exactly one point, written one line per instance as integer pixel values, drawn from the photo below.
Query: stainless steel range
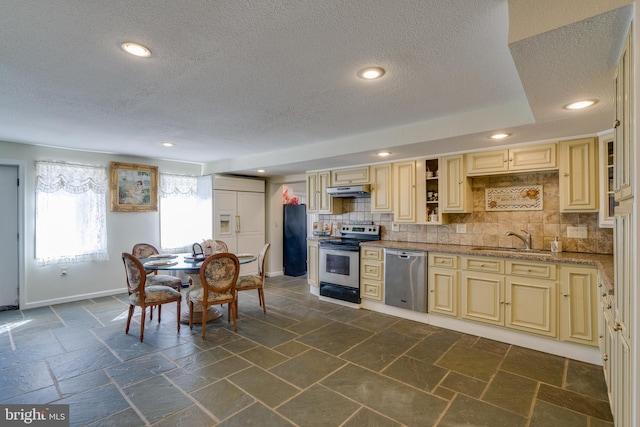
(340, 262)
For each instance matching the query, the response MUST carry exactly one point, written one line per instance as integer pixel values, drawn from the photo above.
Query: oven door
(340, 266)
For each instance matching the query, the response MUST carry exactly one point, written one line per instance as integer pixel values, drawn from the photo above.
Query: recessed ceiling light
(371, 73)
(500, 135)
(261, 171)
(580, 104)
(136, 49)
(168, 144)
(384, 154)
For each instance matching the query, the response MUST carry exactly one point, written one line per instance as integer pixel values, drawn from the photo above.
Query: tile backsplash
(489, 228)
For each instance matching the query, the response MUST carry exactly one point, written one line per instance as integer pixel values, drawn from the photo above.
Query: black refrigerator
(295, 240)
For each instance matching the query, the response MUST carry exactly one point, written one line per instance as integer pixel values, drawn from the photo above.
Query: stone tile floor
(306, 363)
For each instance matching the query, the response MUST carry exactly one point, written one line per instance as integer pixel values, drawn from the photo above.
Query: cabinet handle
(481, 265)
(505, 161)
(529, 270)
(616, 123)
(237, 223)
(566, 174)
(507, 303)
(459, 182)
(565, 295)
(605, 357)
(432, 291)
(511, 160)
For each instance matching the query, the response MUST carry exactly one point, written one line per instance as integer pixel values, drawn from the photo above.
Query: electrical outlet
(395, 227)
(577, 232)
(64, 272)
(461, 228)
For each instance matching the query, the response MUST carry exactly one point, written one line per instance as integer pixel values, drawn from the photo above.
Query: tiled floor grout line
(125, 397)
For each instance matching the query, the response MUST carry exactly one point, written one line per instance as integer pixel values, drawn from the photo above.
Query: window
(71, 205)
(185, 211)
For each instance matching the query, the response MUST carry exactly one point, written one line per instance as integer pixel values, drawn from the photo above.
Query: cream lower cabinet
(313, 253)
(515, 294)
(578, 305)
(443, 284)
(372, 273)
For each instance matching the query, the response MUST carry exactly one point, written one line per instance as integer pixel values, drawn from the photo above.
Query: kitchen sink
(493, 250)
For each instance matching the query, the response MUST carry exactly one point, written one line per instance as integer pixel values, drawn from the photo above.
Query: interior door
(9, 235)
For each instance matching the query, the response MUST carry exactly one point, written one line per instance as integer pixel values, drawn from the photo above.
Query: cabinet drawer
(443, 260)
(372, 270)
(531, 269)
(371, 289)
(372, 253)
(483, 264)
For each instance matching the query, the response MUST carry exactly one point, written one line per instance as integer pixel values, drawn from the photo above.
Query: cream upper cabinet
(578, 305)
(623, 123)
(359, 175)
(404, 191)
(381, 196)
(313, 253)
(578, 175)
(521, 159)
(318, 201)
(456, 195)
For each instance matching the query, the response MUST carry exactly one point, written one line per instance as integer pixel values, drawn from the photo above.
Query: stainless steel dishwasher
(405, 279)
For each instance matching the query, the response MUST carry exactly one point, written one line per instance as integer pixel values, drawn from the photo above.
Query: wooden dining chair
(221, 246)
(218, 276)
(143, 296)
(145, 250)
(248, 282)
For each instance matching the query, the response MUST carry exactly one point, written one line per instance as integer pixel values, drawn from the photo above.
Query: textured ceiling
(238, 85)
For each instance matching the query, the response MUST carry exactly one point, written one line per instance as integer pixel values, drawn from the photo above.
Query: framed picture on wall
(134, 188)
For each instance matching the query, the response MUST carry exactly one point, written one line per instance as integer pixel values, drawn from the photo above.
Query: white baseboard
(55, 301)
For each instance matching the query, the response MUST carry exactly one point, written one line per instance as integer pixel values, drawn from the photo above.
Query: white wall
(44, 285)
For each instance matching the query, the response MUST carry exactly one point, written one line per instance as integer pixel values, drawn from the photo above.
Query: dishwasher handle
(406, 254)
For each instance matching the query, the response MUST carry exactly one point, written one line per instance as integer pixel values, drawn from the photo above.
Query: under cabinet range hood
(350, 191)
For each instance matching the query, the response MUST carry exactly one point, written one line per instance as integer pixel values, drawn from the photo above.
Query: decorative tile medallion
(527, 198)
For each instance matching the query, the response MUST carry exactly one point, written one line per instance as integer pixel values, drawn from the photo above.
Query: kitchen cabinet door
(578, 305)
(381, 197)
(443, 291)
(530, 305)
(578, 175)
(624, 142)
(318, 201)
(530, 158)
(313, 252)
(487, 162)
(455, 188)
(404, 186)
(359, 175)
(482, 297)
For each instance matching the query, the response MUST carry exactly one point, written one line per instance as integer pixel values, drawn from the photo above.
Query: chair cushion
(154, 294)
(248, 282)
(196, 296)
(163, 280)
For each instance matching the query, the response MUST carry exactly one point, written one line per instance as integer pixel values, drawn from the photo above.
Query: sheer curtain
(71, 206)
(185, 214)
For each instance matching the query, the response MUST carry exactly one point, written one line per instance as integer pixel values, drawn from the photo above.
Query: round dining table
(185, 262)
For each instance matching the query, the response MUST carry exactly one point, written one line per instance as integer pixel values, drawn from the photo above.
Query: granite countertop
(603, 262)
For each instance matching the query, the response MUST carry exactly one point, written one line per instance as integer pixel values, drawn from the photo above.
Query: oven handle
(325, 248)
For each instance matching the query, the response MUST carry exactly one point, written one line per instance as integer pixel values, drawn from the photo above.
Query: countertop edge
(603, 262)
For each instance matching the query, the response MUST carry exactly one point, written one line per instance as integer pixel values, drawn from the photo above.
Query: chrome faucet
(526, 238)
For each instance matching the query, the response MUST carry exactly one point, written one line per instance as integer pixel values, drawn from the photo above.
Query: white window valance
(71, 207)
(178, 185)
(72, 178)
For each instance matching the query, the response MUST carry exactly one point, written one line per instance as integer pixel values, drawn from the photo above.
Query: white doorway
(9, 237)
